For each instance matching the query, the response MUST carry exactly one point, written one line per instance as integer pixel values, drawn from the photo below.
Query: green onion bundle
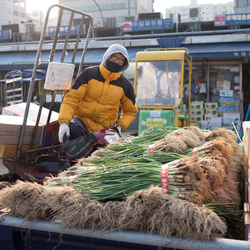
(116, 181)
(136, 154)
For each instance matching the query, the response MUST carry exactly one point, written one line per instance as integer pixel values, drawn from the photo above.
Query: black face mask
(113, 67)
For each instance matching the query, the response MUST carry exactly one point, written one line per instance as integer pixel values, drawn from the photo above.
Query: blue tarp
(172, 42)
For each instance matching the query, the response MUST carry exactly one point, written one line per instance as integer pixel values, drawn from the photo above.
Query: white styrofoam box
(213, 112)
(196, 118)
(209, 116)
(206, 123)
(229, 118)
(195, 112)
(225, 92)
(216, 121)
(19, 110)
(197, 105)
(59, 76)
(211, 105)
(232, 127)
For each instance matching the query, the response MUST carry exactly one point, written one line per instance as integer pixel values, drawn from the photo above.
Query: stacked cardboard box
(206, 124)
(10, 127)
(211, 110)
(19, 109)
(232, 121)
(226, 102)
(212, 123)
(216, 122)
(197, 111)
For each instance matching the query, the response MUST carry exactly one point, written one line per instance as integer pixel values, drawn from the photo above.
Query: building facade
(12, 12)
(14, 17)
(242, 6)
(201, 12)
(110, 13)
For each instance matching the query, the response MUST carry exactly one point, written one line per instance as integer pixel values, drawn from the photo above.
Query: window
(16, 13)
(242, 3)
(225, 77)
(166, 76)
(210, 78)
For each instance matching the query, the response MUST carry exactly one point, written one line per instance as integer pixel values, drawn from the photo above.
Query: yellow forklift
(159, 88)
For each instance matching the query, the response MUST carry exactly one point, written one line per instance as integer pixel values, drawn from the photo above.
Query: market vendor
(93, 102)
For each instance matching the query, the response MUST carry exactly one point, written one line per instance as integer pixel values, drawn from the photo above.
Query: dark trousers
(77, 128)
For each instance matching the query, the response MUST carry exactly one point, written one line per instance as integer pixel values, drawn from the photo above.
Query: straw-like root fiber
(204, 175)
(185, 218)
(231, 139)
(33, 201)
(180, 140)
(228, 192)
(146, 210)
(225, 133)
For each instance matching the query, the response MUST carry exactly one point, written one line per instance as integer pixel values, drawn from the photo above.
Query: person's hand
(63, 130)
(119, 129)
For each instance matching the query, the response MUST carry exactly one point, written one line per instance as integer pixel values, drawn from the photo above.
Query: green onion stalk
(153, 135)
(232, 215)
(209, 146)
(118, 153)
(161, 156)
(119, 180)
(202, 150)
(136, 154)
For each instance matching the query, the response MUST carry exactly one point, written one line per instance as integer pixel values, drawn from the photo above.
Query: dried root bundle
(197, 177)
(216, 147)
(147, 210)
(180, 140)
(34, 201)
(156, 212)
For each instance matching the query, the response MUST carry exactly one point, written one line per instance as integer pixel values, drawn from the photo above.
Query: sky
(42, 5)
(159, 5)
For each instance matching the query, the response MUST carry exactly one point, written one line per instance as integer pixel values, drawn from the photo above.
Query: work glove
(63, 130)
(118, 129)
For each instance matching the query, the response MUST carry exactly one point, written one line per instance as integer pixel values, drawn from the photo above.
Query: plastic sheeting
(172, 42)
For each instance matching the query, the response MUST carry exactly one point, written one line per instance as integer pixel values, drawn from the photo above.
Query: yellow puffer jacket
(95, 98)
